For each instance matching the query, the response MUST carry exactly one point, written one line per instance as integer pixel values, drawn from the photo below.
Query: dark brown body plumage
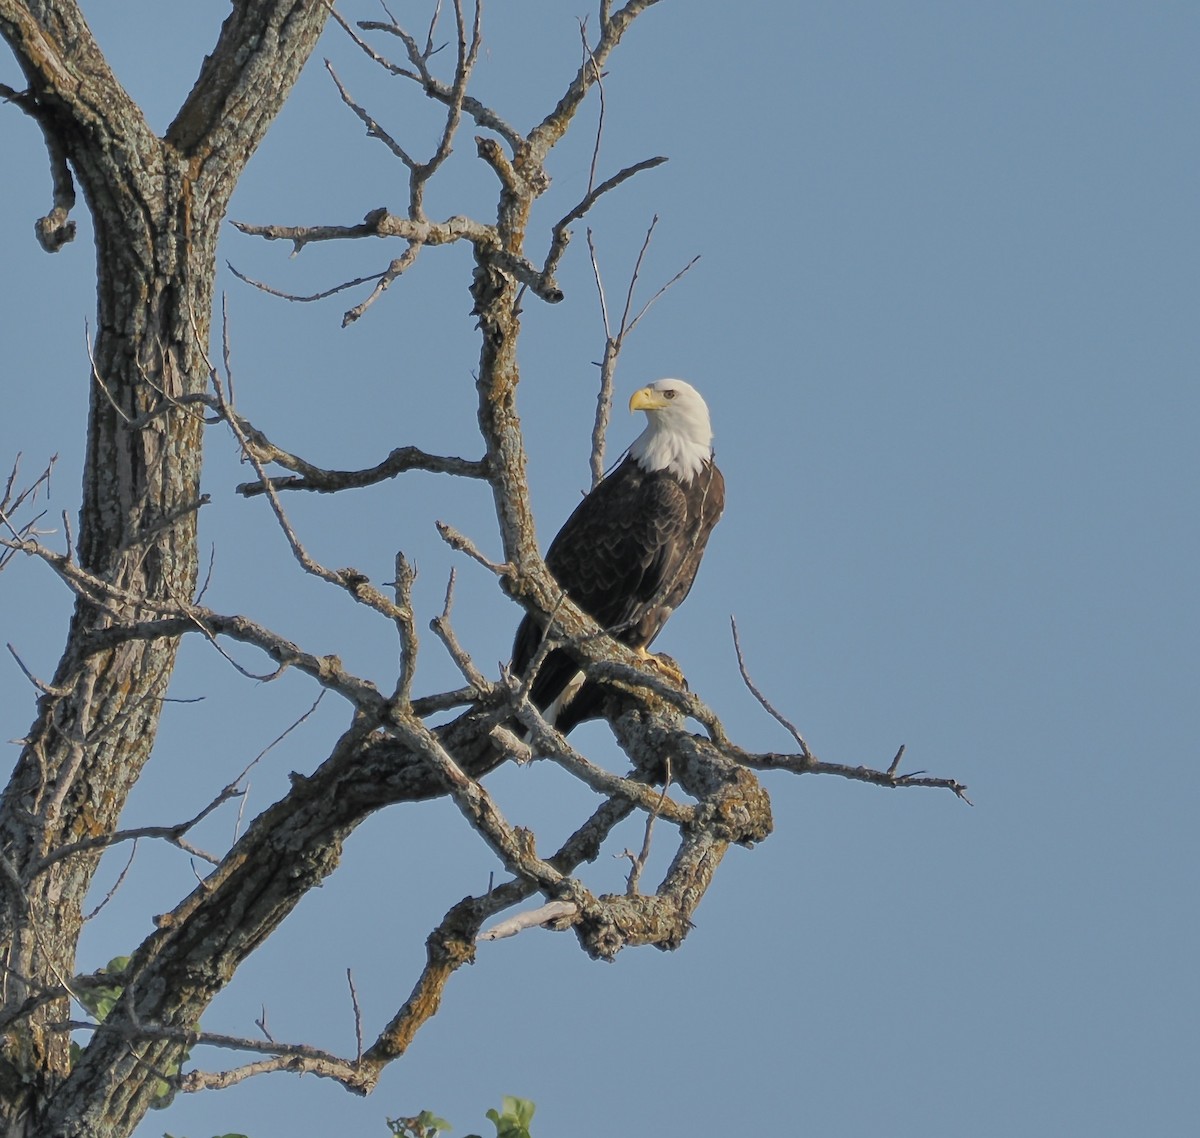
(627, 556)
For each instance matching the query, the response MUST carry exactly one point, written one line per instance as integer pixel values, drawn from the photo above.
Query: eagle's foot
(665, 666)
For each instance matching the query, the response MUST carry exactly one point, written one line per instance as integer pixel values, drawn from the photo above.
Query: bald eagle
(629, 553)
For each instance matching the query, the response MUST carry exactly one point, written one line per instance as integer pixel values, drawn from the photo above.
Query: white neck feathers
(678, 436)
(671, 450)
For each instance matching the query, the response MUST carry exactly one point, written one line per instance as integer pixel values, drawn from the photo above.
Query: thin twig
(261, 1024)
(560, 235)
(12, 501)
(406, 628)
(358, 1032)
(463, 544)
(356, 584)
(787, 724)
(444, 631)
(278, 739)
(374, 130)
(599, 286)
(614, 341)
(433, 87)
(41, 685)
(599, 79)
(172, 834)
(308, 299)
(638, 862)
(809, 764)
(116, 885)
(646, 307)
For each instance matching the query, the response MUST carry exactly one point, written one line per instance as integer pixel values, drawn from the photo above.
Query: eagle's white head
(679, 435)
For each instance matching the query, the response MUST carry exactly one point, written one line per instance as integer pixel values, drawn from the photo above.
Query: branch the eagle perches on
(701, 783)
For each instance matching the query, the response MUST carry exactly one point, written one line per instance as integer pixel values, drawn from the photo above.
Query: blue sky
(946, 319)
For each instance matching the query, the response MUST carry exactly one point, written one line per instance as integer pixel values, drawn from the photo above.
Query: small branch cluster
(14, 498)
(517, 159)
(614, 340)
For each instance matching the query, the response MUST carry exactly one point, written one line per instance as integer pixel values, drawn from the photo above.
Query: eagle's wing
(627, 558)
(629, 553)
(620, 552)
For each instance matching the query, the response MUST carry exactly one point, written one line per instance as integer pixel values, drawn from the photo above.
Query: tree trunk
(157, 205)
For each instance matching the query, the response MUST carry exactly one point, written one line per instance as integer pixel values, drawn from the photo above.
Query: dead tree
(157, 203)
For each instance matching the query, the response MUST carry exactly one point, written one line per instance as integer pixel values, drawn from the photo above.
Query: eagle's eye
(669, 394)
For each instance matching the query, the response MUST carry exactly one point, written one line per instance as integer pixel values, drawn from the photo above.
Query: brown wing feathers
(627, 556)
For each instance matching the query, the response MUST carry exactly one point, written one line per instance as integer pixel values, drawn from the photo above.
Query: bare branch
(12, 500)
(381, 223)
(276, 741)
(560, 235)
(116, 885)
(433, 21)
(358, 1033)
(463, 544)
(172, 834)
(176, 617)
(442, 628)
(393, 272)
(599, 80)
(324, 294)
(41, 685)
(762, 699)
(431, 704)
(452, 943)
(647, 306)
(801, 764)
(350, 580)
(599, 287)
(608, 370)
(614, 342)
(633, 278)
(514, 846)
(374, 130)
(406, 629)
(530, 919)
(419, 72)
(467, 56)
(612, 27)
(638, 861)
(322, 481)
(552, 744)
(288, 1056)
(56, 228)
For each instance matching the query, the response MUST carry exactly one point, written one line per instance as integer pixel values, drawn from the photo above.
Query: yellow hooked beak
(646, 399)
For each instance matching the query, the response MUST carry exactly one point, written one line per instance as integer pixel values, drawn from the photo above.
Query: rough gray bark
(156, 204)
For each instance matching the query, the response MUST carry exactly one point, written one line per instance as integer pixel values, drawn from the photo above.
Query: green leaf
(99, 1000)
(514, 1121)
(164, 1093)
(520, 1108)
